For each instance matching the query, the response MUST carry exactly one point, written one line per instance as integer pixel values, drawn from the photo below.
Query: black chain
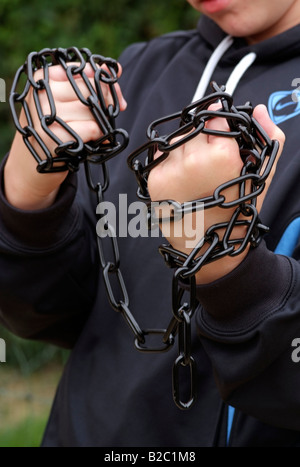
(257, 151)
(69, 154)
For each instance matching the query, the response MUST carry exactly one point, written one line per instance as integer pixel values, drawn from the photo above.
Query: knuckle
(93, 131)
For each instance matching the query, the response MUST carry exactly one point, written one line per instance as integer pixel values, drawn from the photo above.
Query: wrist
(24, 187)
(211, 270)
(23, 195)
(218, 269)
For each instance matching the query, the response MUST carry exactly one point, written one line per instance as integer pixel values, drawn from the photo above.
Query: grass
(25, 404)
(28, 382)
(26, 433)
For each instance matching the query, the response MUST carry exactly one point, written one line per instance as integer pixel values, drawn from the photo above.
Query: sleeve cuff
(42, 229)
(236, 303)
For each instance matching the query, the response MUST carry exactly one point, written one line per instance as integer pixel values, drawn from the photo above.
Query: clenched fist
(194, 170)
(25, 188)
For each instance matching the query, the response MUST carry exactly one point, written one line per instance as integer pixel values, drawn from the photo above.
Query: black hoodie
(243, 334)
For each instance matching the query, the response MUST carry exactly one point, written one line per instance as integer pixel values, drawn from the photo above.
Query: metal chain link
(69, 154)
(257, 151)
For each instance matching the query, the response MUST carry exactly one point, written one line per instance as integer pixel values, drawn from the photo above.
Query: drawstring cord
(235, 76)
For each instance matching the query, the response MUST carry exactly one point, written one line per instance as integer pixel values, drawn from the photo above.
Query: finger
(58, 73)
(86, 130)
(121, 98)
(63, 90)
(216, 123)
(223, 148)
(262, 116)
(72, 111)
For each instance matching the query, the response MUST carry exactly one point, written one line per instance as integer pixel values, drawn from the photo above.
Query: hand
(25, 188)
(193, 171)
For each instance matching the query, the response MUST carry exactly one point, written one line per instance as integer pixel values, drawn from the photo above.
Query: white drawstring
(239, 71)
(210, 67)
(235, 76)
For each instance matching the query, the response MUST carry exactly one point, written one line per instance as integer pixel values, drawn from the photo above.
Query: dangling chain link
(257, 151)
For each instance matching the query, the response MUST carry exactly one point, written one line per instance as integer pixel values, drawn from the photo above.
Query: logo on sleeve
(284, 105)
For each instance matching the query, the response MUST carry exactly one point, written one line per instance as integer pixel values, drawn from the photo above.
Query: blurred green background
(32, 370)
(103, 26)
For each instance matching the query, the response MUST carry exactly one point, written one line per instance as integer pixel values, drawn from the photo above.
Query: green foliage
(103, 26)
(27, 433)
(30, 356)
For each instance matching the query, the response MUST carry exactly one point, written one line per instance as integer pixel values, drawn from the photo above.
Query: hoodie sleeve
(248, 322)
(48, 272)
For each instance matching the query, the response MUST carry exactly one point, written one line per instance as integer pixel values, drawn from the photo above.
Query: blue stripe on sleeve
(230, 416)
(286, 246)
(289, 239)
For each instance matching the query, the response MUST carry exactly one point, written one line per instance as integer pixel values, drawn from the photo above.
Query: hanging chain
(257, 151)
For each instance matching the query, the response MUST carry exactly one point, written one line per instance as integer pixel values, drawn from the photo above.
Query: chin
(235, 28)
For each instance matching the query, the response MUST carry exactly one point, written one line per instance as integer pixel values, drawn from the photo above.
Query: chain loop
(184, 359)
(70, 154)
(177, 384)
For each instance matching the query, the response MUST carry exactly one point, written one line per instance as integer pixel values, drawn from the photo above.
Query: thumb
(262, 116)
